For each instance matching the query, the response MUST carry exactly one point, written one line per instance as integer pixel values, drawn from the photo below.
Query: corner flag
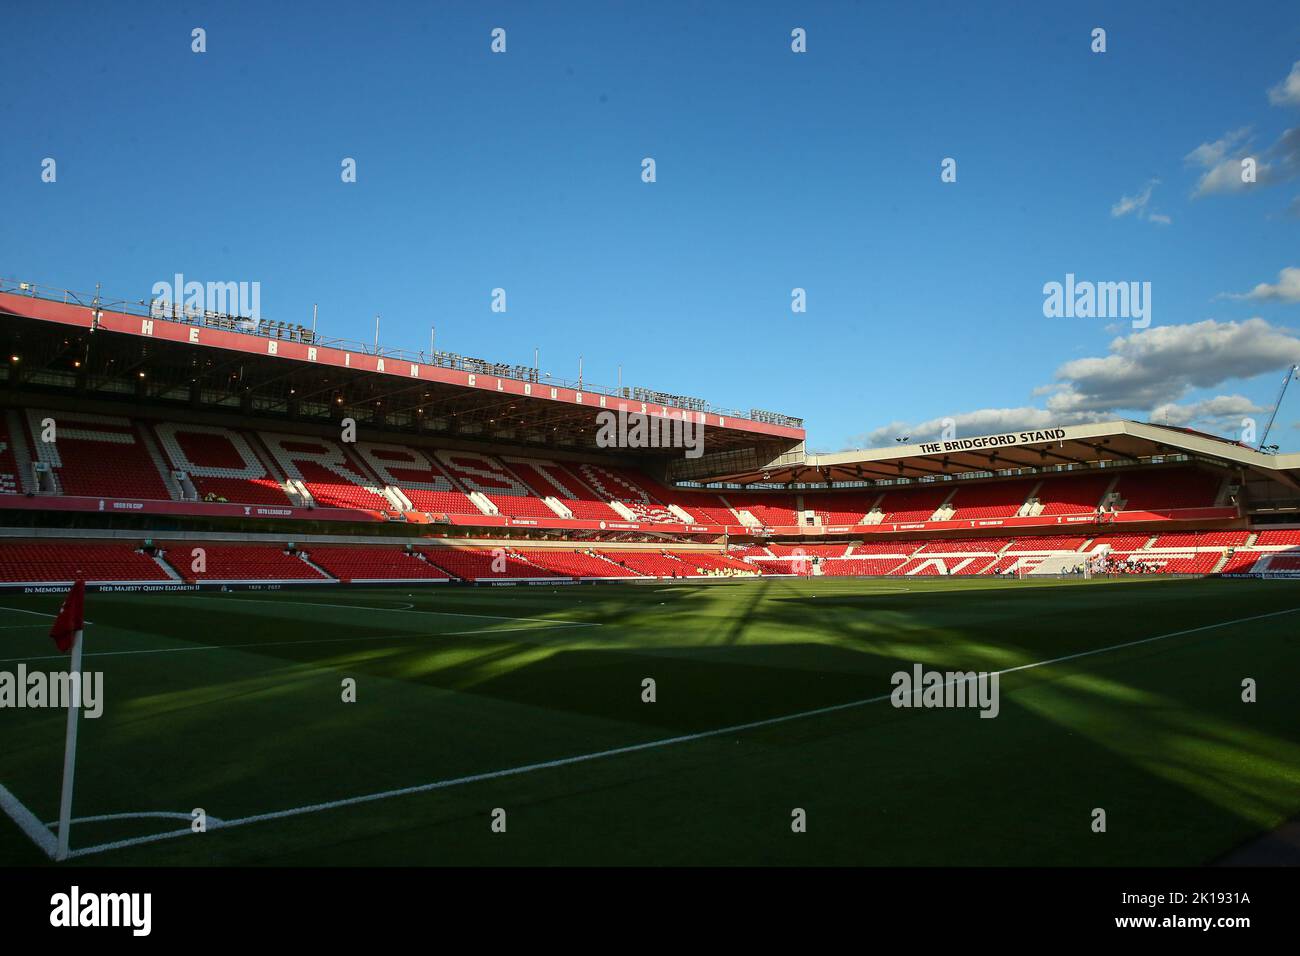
(72, 616)
(67, 635)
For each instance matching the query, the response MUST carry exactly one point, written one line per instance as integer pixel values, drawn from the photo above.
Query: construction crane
(1290, 374)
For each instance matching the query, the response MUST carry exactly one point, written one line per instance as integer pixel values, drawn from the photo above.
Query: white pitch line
(140, 815)
(313, 640)
(28, 823)
(393, 610)
(20, 610)
(631, 748)
(25, 611)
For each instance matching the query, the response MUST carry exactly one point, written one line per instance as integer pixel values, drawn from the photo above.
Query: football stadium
(466, 614)
(443, 445)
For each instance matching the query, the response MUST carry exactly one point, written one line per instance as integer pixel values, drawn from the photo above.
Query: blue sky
(775, 170)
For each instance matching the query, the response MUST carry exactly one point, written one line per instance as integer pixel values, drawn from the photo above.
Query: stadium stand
(781, 566)
(49, 562)
(1201, 539)
(552, 479)
(220, 463)
(976, 566)
(841, 507)
(703, 507)
(914, 504)
(626, 487)
(488, 477)
(1241, 562)
(575, 564)
(861, 566)
(11, 482)
(1173, 553)
(921, 567)
(477, 564)
(770, 509)
(1120, 542)
(904, 547)
(96, 455)
(964, 545)
(505, 496)
(330, 474)
(656, 564)
(808, 550)
(711, 562)
(423, 483)
(375, 564)
(750, 551)
(1271, 539)
(1009, 563)
(1168, 489)
(1072, 495)
(991, 500)
(237, 562)
(1165, 563)
(1057, 542)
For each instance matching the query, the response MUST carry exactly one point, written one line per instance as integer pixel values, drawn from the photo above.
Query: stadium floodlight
(901, 439)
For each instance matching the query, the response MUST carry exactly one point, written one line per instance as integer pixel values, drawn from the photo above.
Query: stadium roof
(1116, 442)
(62, 341)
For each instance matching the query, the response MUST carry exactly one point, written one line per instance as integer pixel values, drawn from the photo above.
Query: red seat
(198, 561)
(62, 562)
(97, 456)
(913, 504)
(1073, 494)
(220, 462)
(376, 564)
(483, 564)
(1168, 488)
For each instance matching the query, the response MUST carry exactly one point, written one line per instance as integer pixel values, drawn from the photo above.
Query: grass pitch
(474, 699)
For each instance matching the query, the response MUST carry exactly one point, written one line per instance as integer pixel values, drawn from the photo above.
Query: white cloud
(1137, 205)
(1161, 364)
(1286, 289)
(1128, 204)
(984, 421)
(1212, 154)
(1287, 93)
(1145, 373)
(1221, 161)
(1222, 413)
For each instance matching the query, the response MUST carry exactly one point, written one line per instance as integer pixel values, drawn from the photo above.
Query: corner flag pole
(70, 748)
(68, 633)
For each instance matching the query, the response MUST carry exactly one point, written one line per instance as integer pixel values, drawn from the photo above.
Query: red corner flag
(71, 619)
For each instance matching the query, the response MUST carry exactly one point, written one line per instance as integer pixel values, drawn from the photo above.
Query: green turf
(242, 716)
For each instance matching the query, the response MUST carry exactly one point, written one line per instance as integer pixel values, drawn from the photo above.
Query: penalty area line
(630, 748)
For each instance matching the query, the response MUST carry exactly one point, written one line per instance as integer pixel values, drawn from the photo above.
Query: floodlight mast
(1290, 374)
